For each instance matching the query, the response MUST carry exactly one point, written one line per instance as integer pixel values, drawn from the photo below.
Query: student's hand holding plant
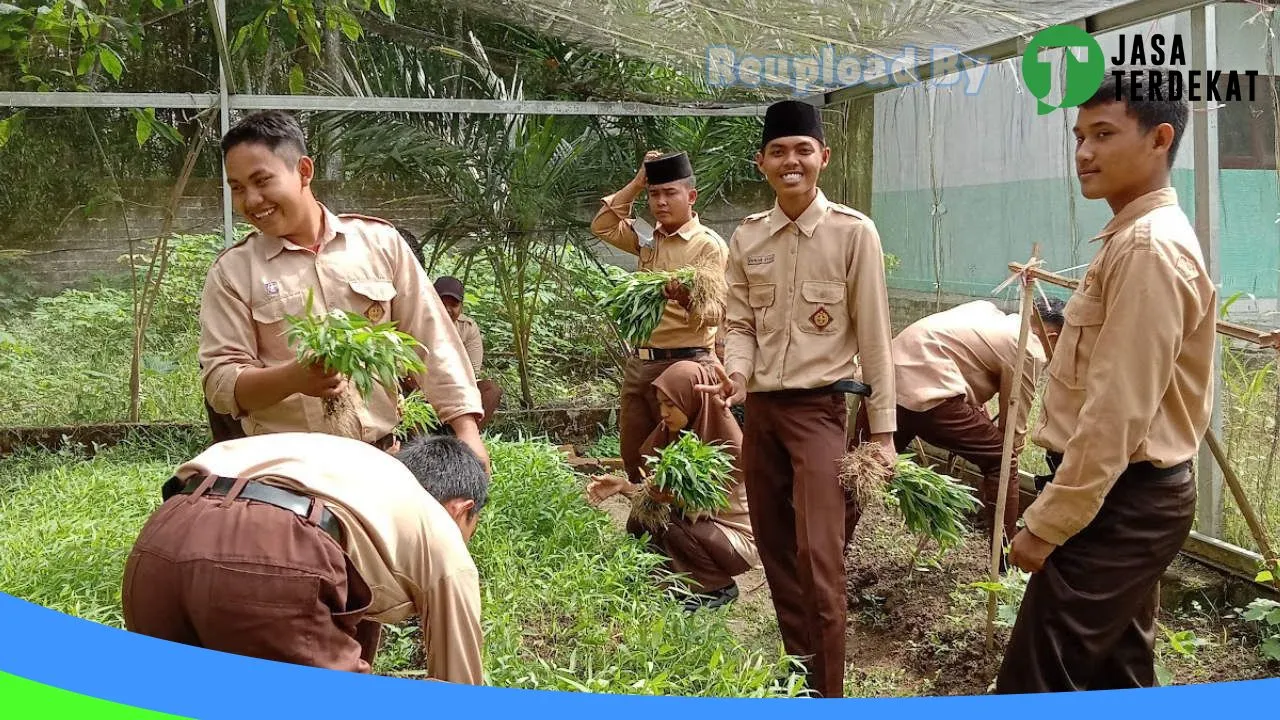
(676, 291)
(316, 380)
(665, 497)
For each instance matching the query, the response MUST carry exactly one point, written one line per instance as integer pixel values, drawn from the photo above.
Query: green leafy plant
(1174, 645)
(1265, 615)
(696, 474)
(637, 302)
(1008, 592)
(933, 505)
(366, 353)
(417, 416)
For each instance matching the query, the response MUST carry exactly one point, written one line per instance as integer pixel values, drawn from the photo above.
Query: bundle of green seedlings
(933, 505)
(637, 301)
(364, 352)
(696, 474)
(417, 416)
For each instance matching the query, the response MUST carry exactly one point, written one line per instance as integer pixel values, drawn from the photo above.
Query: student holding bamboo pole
(1128, 399)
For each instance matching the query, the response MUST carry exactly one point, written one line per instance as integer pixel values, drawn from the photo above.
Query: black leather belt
(670, 353)
(294, 502)
(847, 387)
(1054, 460)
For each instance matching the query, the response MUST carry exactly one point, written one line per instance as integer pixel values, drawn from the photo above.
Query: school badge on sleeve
(821, 318)
(374, 313)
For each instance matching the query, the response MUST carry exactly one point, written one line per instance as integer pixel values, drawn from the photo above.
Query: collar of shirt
(808, 220)
(1140, 206)
(333, 226)
(686, 230)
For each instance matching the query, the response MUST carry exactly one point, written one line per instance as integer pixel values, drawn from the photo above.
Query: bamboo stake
(1006, 459)
(1237, 491)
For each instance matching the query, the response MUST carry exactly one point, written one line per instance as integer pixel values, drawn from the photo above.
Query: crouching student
(296, 547)
(708, 551)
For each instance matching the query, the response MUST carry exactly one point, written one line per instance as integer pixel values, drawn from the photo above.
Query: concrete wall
(966, 183)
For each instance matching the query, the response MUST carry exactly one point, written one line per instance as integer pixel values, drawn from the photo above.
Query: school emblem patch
(820, 319)
(374, 313)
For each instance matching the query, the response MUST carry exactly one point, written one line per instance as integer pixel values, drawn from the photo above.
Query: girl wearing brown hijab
(710, 551)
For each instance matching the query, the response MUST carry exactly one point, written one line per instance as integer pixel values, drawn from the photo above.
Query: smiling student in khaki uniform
(350, 262)
(1128, 399)
(806, 295)
(679, 240)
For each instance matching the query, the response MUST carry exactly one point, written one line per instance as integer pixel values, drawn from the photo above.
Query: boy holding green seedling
(282, 548)
(1127, 403)
(678, 241)
(350, 262)
(948, 366)
(806, 296)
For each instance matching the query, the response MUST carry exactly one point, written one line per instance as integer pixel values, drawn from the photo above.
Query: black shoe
(713, 599)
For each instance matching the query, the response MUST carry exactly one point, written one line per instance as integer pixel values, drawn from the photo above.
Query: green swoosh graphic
(21, 698)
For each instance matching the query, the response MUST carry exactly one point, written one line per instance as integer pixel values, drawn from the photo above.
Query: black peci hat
(668, 168)
(790, 118)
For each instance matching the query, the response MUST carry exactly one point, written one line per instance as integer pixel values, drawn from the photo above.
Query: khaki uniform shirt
(693, 245)
(1132, 373)
(363, 266)
(472, 342)
(402, 542)
(805, 298)
(969, 351)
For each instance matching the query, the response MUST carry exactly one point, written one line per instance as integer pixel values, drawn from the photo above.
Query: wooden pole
(1237, 491)
(1006, 459)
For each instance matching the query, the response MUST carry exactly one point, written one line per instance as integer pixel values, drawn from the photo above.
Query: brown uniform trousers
(250, 579)
(1087, 620)
(803, 520)
(695, 549)
(639, 407)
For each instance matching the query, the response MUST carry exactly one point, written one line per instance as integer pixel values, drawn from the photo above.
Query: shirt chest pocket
(762, 298)
(1084, 315)
(371, 298)
(270, 324)
(822, 309)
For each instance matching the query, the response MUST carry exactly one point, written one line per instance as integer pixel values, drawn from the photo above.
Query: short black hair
(274, 128)
(414, 244)
(1052, 311)
(447, 468)
(1149, 112)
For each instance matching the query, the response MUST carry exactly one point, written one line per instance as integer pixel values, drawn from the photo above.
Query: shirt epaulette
(756, 216)
(846, 210)
(233, 246)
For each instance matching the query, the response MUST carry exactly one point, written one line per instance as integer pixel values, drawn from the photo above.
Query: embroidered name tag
(760, 259)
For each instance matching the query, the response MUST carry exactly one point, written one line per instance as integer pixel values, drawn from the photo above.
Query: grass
(568, 600)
